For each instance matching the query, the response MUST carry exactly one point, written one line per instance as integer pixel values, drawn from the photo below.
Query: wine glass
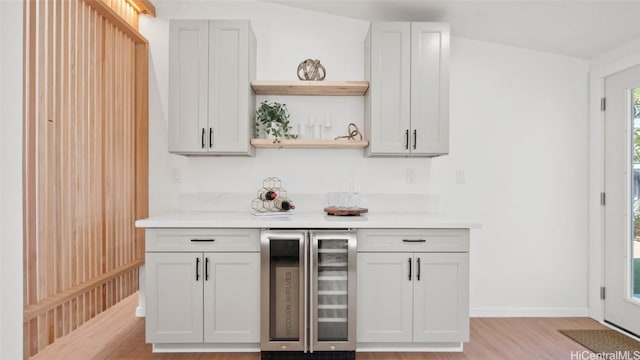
(355, 194)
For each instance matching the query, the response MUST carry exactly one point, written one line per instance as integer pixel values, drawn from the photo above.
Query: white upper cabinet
(407, 106)
(388, 103)
(211, 104)
(232, 64)
(188, 86)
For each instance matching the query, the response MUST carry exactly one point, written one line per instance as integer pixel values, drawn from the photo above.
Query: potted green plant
(274, 118)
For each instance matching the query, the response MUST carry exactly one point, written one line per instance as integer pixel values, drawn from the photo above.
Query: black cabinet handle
(414, 240)
(415, 138)
(406, 142)
(202, 138)
(203, 240)
(206, 269)
(409, 269)
(418, 269)
(210, 137)
(197, 268)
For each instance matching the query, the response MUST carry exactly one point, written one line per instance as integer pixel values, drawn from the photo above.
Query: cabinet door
(229, 85)
(441, 297)
(429, 88)
(390, 87)
(174, 297)
(384, 297)
(232, 298)
(188, 107)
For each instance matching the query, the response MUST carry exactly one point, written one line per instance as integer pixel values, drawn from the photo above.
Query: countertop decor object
(342, 211)
(311, 70)
(353, 132)
(271, 198)
(274, 118)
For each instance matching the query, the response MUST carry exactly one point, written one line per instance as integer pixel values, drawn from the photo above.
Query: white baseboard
(497, 312)
(410, 347)
(530, 312)
(204, 347)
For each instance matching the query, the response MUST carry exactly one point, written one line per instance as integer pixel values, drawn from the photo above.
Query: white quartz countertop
(304, 220)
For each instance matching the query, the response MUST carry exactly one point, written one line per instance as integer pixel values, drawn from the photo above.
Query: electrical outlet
(175, 175)
(460, 176)
(411, 176)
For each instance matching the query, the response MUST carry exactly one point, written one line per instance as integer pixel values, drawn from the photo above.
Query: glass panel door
(635, 197)
(332, 295)
(285, 308)
(622, 189)
(333, 290)
(284, 290)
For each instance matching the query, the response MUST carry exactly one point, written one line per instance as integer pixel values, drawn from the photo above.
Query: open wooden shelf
(310, 144)
(322, 88)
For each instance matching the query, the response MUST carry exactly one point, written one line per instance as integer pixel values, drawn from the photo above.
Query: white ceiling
(583, 29)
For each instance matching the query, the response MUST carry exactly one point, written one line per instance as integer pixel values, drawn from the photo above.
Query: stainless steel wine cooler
(308, 294)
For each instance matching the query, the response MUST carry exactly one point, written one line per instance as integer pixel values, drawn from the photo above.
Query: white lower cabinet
(232, 298)
(385, 298)
(202, 297)
(412, 298)
(174, 298)
(203, 289)
(441, 297)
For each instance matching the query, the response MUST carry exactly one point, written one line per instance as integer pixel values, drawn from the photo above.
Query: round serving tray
(335, 211)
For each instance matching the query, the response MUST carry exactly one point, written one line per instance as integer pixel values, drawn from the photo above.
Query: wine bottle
(284, 204)
(268, 195)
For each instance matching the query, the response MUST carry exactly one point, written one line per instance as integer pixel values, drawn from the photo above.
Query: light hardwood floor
(117, 334)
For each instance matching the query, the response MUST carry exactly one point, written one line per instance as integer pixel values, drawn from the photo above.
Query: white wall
(518, 130)
(11, 179)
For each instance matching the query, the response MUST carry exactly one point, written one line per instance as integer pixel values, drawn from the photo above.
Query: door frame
(607, 64)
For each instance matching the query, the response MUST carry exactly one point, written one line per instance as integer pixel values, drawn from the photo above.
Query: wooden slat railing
(126, 10)
(85, 162)
(52, 302)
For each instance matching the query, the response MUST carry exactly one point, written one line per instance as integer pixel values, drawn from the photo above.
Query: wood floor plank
(117, 334)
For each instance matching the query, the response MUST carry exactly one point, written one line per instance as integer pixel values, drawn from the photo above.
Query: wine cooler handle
(409, 269)
(202, 138)
(308, 298)
(418, 269)
(197, 268)
(206, 269)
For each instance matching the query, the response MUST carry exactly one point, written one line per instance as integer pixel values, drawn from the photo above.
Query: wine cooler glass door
(284, 291)
(333, 291)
